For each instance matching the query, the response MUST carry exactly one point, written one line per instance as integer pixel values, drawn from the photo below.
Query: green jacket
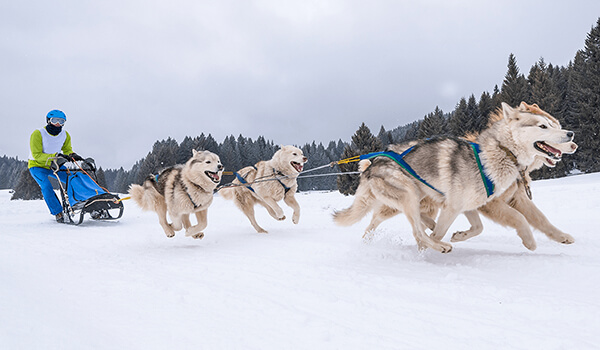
(37, 157)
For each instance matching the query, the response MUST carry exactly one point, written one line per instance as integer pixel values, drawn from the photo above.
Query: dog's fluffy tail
(363, 203)
(144, 196)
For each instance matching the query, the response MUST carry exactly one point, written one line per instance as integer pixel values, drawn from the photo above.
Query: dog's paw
(296, 219)
(441, 247)
(459, 236)
(566, 239)
(170, 234)
(530, 244)
(446, 248)
(281, 218)
(198, 235)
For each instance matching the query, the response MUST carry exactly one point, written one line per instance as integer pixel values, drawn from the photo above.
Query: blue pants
(41, 177)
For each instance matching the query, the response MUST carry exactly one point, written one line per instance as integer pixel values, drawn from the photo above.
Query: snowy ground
(124, 285)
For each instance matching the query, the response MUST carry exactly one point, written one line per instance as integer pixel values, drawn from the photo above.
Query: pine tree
(432, 125)
(27, 188)
(458, 123)
(101, 178)
(474, 119)
(514, 87)
(363, 142)
(496, 98)
(385, 137)
(486, 107)
(543, 91)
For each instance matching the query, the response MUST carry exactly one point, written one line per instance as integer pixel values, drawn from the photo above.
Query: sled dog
(266, 183)
(515, 208)
(523, 213)
(453, 173)
(180, 191)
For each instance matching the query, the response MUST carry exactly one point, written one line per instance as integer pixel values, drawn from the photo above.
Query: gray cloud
(129, 73)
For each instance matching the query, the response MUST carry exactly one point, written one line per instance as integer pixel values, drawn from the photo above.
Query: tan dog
(180, 191)
(447, 172)
(268, 182)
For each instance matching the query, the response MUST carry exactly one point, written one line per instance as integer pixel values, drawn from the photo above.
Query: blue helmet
(55, 113)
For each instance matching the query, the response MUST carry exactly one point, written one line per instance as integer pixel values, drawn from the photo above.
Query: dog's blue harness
(399, 158)
(243, 180)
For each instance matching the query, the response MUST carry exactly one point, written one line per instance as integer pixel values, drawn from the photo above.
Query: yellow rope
(349, 160)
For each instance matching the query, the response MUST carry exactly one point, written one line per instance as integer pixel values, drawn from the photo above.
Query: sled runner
(81, 193)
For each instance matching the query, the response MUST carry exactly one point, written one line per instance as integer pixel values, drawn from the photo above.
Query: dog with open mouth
(266, 183)
(514, 208)
(457, 175)
(181, 190)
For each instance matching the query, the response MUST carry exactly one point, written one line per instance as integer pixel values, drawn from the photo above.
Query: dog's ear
(507, 111)
(194, 152)
(524, 106)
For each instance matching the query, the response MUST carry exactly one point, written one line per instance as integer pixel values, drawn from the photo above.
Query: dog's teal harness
(399, 158)
(487, 182)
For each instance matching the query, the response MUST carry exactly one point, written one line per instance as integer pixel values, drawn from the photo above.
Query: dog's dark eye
(208, 162)
(543, 126)
(294, 154)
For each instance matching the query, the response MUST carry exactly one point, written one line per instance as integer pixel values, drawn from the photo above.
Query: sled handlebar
(65, 163)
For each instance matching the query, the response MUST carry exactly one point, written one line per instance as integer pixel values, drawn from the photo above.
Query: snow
(125, 285)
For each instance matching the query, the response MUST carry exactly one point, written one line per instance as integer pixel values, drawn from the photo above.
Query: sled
(81, 193)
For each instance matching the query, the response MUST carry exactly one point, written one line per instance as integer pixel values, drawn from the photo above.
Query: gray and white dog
(448, 171)
(180, 191)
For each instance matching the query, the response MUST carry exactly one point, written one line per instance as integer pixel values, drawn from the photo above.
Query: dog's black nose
(220, 167)
(570, 134)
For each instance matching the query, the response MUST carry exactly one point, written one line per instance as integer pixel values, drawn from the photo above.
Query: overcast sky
(130, 72)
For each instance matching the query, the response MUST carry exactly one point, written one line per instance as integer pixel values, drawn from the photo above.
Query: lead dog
(266, 183)
(523, 213)
(448, 172)
(180, 191)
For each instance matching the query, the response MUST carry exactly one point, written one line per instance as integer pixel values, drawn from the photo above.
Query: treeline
(235, 153)
(571, 94)
(10, 170)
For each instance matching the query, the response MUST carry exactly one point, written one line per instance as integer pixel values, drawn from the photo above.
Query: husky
(181, 190)
(266, 183)
(453, 173)
(515, 208)
(523, 213)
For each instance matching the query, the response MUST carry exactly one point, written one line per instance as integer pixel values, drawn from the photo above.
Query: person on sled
(47, 142)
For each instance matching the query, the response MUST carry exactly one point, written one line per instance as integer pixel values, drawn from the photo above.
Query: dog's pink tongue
(554, 150)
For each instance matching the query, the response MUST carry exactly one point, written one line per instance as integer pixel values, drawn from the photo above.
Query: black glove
(75, 157)
(91, 163)
(60, 155)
